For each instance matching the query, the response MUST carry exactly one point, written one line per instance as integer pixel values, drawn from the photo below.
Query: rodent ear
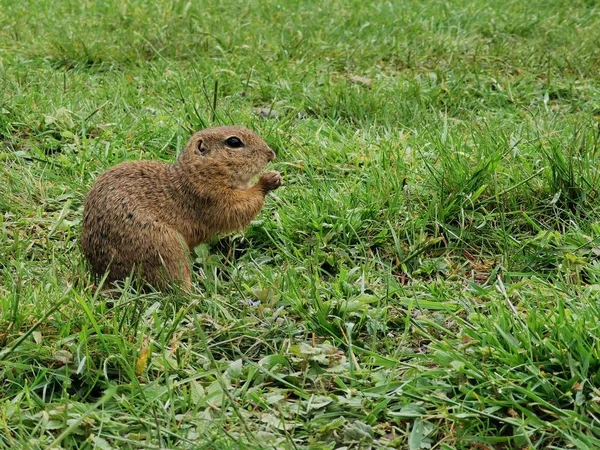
(202, 149)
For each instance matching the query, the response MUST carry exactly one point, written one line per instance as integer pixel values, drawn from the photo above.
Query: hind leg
(151, 252)
(160, 258)
(166, 260)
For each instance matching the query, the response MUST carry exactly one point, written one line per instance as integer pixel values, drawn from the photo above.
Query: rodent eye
(234, 142)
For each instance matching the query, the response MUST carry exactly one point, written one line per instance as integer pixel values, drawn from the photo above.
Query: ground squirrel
(145, 216)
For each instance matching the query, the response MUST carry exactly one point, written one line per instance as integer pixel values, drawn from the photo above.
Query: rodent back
(142, 188)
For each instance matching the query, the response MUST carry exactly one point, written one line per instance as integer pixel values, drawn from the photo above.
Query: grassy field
(427, 278)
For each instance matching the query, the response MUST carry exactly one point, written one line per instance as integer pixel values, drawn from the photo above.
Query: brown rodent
(143, 217)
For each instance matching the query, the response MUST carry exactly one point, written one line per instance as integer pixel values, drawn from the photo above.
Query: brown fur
(145, 216)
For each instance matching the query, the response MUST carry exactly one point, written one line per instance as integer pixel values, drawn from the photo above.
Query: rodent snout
(271, 156)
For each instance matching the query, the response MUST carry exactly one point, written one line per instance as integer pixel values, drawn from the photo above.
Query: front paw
(270, 181)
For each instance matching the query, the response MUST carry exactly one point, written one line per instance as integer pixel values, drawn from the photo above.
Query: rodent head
(229, 155)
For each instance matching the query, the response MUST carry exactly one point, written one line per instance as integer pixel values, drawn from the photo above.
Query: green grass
(426, 278)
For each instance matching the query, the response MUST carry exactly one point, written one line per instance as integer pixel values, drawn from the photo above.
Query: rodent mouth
(246, 182)
(250, 179)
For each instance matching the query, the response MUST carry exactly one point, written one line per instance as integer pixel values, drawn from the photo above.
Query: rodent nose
(271, 155)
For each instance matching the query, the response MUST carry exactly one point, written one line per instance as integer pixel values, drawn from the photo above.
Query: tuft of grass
(425, 278)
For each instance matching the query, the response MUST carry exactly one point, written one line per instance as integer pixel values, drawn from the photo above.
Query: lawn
(427, 277)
